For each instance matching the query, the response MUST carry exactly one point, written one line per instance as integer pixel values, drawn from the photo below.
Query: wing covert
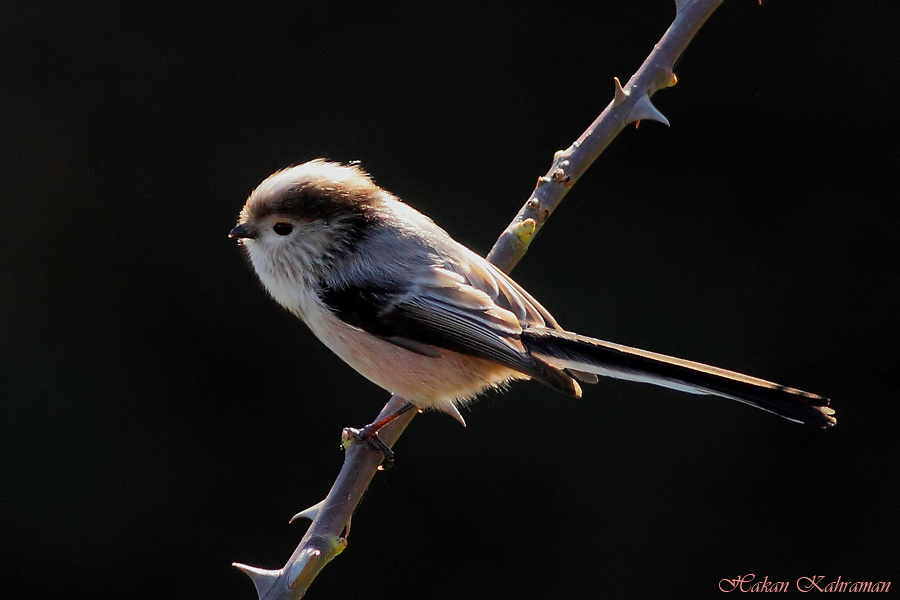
(438, 309)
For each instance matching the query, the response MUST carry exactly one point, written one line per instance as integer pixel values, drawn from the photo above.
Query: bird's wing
(502, 290)
(509, 295)
(440, 309)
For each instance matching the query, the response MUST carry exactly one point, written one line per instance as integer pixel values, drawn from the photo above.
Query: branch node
(338, 543)
(523, 231)
(671, 78)
(559, 176)
(304, 569)
(347, 438)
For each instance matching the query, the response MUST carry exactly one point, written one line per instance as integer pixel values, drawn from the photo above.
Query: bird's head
(300, 218)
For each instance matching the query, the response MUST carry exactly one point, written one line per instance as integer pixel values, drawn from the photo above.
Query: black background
(161, 417)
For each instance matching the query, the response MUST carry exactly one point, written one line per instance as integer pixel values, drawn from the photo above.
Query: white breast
(428, 382)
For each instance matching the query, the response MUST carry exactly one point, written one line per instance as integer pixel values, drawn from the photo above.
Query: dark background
(161, 417)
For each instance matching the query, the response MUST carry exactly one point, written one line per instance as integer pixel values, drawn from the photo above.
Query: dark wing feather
(399, 316)
(439, 309)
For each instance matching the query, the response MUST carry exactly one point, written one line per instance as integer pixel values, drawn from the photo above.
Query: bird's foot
(369, 435)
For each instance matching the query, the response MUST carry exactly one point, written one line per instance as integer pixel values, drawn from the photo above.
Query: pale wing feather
(467, 319)
(505, 293)
(508, 295)
(457, 304)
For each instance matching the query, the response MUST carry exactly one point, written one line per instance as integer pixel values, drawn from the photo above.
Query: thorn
(637, 123)
(621, 95)
(263, 579)
(452, 410)
(644, 109)
(310, 513)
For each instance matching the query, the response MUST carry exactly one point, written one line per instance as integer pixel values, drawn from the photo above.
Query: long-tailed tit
(425, 318)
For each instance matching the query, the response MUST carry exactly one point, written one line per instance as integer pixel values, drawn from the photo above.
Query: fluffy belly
(427, 382)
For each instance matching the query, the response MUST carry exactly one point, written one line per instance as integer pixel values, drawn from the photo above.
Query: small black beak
(243, 230)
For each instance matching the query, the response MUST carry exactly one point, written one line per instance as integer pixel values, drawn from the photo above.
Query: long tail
(566, 350)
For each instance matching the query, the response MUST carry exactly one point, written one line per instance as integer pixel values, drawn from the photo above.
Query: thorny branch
(326, 536)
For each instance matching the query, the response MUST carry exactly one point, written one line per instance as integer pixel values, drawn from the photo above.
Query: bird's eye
(282, 228)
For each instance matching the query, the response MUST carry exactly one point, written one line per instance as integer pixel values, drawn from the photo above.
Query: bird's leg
(369, 434)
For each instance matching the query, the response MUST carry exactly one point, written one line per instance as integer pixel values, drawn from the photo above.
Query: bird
(426, 318)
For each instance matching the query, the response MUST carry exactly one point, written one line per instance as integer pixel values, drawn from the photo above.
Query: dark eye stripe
(282, 228)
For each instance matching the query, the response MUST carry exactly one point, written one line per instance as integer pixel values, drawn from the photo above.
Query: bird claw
(369, 435)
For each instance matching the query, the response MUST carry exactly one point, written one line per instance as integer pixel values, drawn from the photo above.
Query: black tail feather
(571, 351)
